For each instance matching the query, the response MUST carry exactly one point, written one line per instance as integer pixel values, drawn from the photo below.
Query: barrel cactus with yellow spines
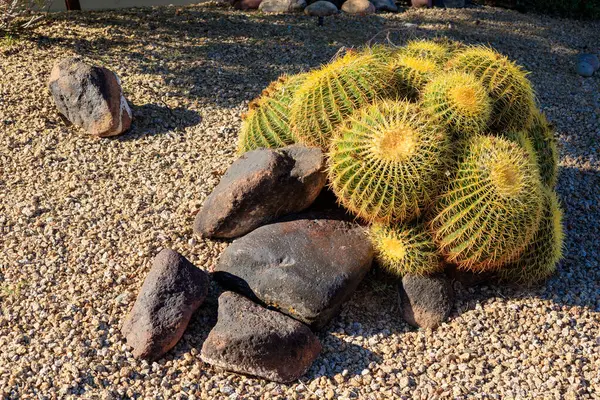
(542, 137)
(511, 92)
(332, 92)
(492, 206)
(459, 102)
(413, 73)
(541, 255)
(267, 122)
(437, 51)
(405, 249)
(386, 163)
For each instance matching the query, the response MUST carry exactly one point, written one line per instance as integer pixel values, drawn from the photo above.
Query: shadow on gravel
(154, 119)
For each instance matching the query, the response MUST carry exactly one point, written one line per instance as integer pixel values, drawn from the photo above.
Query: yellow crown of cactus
(385, 163)
(405, 249)
(267, 123)
(506, 82)
(542, 137)
(334, 91)
(459, 102)
(540, 257)
(413, 73)
(438, 51)
(492, 206)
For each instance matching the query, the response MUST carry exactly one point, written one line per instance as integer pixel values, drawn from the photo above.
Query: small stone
(172, 291)
(305, 267)
(591, 59)
(385, 5)
(281, 6)
(321, 9)
(90, 97)
(358, 7)
(250, 339)
(259, 187)
(425, 301)
(247, 4)
(585, 69)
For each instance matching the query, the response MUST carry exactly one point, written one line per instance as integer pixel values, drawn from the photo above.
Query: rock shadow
(155, 119)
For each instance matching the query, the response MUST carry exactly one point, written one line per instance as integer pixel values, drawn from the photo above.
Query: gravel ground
(81, 218)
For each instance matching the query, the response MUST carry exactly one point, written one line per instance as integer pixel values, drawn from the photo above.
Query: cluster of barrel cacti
(438, 146)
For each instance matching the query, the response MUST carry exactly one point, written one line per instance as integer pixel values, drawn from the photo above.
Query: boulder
(282, 6)
(385, 5)
(305, 267)
(260, 186)
(250, 339)
(425, 301)
(172, 291)
(591, 59)
(321, 9)
(358, 7)
(90, 97)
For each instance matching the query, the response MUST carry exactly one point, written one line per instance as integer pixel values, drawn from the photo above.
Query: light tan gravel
(81, 218)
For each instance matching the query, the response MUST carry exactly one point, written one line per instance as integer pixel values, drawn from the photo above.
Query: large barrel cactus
(542, 137)
(540, 257)
(507, 83)
(405, 249)
(267, 122)
(492, 206)
(385, 163)
(331, 93)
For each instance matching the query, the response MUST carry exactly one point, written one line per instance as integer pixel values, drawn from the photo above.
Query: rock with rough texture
(259, 187)
(321, 9)
(305, 267)
(250, 339)
(172, 291)
(282, 6)
(425, 301)
(90, 97)
(358, 7)
(385, 5)
(247, 4)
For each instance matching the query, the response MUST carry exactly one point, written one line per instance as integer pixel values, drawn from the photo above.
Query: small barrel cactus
(542, 137)
(540, 257)
(511, 92)
(405, 249)
(331, 93)
(492, 206)
(459, 102)
(267, 123)
(385, 163)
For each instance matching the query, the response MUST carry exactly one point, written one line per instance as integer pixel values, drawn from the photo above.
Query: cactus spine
(405, 249)
(385, 163)
(491, 208)
(331, 93)
(267, 123)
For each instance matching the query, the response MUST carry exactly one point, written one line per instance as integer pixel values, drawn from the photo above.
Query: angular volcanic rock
(250, 339)
(305, 267)
(425, 301)
(260, 186)
(172, 291)
(90, 97)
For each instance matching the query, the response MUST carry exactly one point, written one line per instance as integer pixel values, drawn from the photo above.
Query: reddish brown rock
(90, 97)
(259, 187)
(252, 340)
(305, 267)
(425, 301)
(246, 4)
(172, 291)
(358, 7)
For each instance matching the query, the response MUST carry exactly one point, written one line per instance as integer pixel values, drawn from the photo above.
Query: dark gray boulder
(90, 97)
(259, 187)
(172, 291)
(282, 6)
(385, 5)
(322, 8)
(425, 301)
(250, 339)
(305, 267)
